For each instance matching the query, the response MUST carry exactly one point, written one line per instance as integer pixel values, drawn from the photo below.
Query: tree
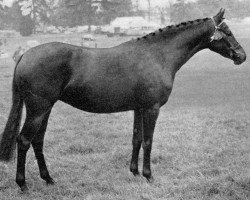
(26, 26)
(234, 9)
(23, 24)
(149, 10)
(136, 5)
(163, 12)
(3, 17)
(183, 11)
(38, 11)
(115, 8)
(12, 18)
(96, 12)
(83, 11)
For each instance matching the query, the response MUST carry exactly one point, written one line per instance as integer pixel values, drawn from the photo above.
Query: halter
(216, 35)
(216, 26)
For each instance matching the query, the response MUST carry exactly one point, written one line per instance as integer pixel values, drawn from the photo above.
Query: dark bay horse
(137, 75)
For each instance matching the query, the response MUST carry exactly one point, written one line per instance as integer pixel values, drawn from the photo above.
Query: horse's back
(82, 77)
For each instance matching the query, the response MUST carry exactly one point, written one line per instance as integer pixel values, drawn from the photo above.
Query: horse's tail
(8, 137)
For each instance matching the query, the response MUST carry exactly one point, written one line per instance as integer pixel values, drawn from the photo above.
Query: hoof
(150, 179)
(135, 172)
(148, 176)
(24, 188)
(50, 181)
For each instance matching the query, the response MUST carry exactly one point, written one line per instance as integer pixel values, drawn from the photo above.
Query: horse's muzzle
(239, 57)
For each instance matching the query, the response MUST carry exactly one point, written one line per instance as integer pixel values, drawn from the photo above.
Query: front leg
(149, 120)
(137, 140)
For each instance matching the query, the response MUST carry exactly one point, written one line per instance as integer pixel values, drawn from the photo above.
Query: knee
(147, 144)
(23, 143)
(137, 136)
(137, 141)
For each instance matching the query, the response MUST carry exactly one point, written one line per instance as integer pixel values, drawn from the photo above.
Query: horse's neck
(180, 48)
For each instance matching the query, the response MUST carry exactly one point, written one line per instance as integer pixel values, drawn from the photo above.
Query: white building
(133, 22)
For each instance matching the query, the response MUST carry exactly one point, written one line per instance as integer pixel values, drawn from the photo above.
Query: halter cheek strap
(216, 26)
(216, 35)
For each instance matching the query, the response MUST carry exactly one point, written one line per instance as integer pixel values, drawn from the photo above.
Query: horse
(136, 75)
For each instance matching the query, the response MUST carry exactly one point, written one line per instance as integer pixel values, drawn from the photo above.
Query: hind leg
(36, 110)
(37, 144)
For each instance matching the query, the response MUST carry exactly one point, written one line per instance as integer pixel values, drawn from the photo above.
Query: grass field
(201, 146)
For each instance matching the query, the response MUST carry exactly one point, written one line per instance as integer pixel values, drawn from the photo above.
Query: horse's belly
(99, 101)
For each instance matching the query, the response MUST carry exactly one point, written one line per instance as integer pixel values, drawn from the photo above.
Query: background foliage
(26, 15)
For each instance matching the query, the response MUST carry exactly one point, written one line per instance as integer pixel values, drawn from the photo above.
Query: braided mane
(174, 28)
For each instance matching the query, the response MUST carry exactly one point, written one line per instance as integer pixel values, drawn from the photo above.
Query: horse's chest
(162, 83)
(154, 91)
(165, 93)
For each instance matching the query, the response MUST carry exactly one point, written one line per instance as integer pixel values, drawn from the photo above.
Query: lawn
(201, 146)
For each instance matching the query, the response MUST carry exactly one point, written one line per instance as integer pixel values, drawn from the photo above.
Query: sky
(163, 3)
(143, 3)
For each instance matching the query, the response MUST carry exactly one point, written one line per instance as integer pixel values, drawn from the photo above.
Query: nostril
(243, 56)
(240, 55)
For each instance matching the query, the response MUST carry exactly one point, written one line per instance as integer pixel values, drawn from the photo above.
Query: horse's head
(223, 41)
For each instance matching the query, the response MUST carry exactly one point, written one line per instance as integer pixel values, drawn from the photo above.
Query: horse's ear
(218, 18)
